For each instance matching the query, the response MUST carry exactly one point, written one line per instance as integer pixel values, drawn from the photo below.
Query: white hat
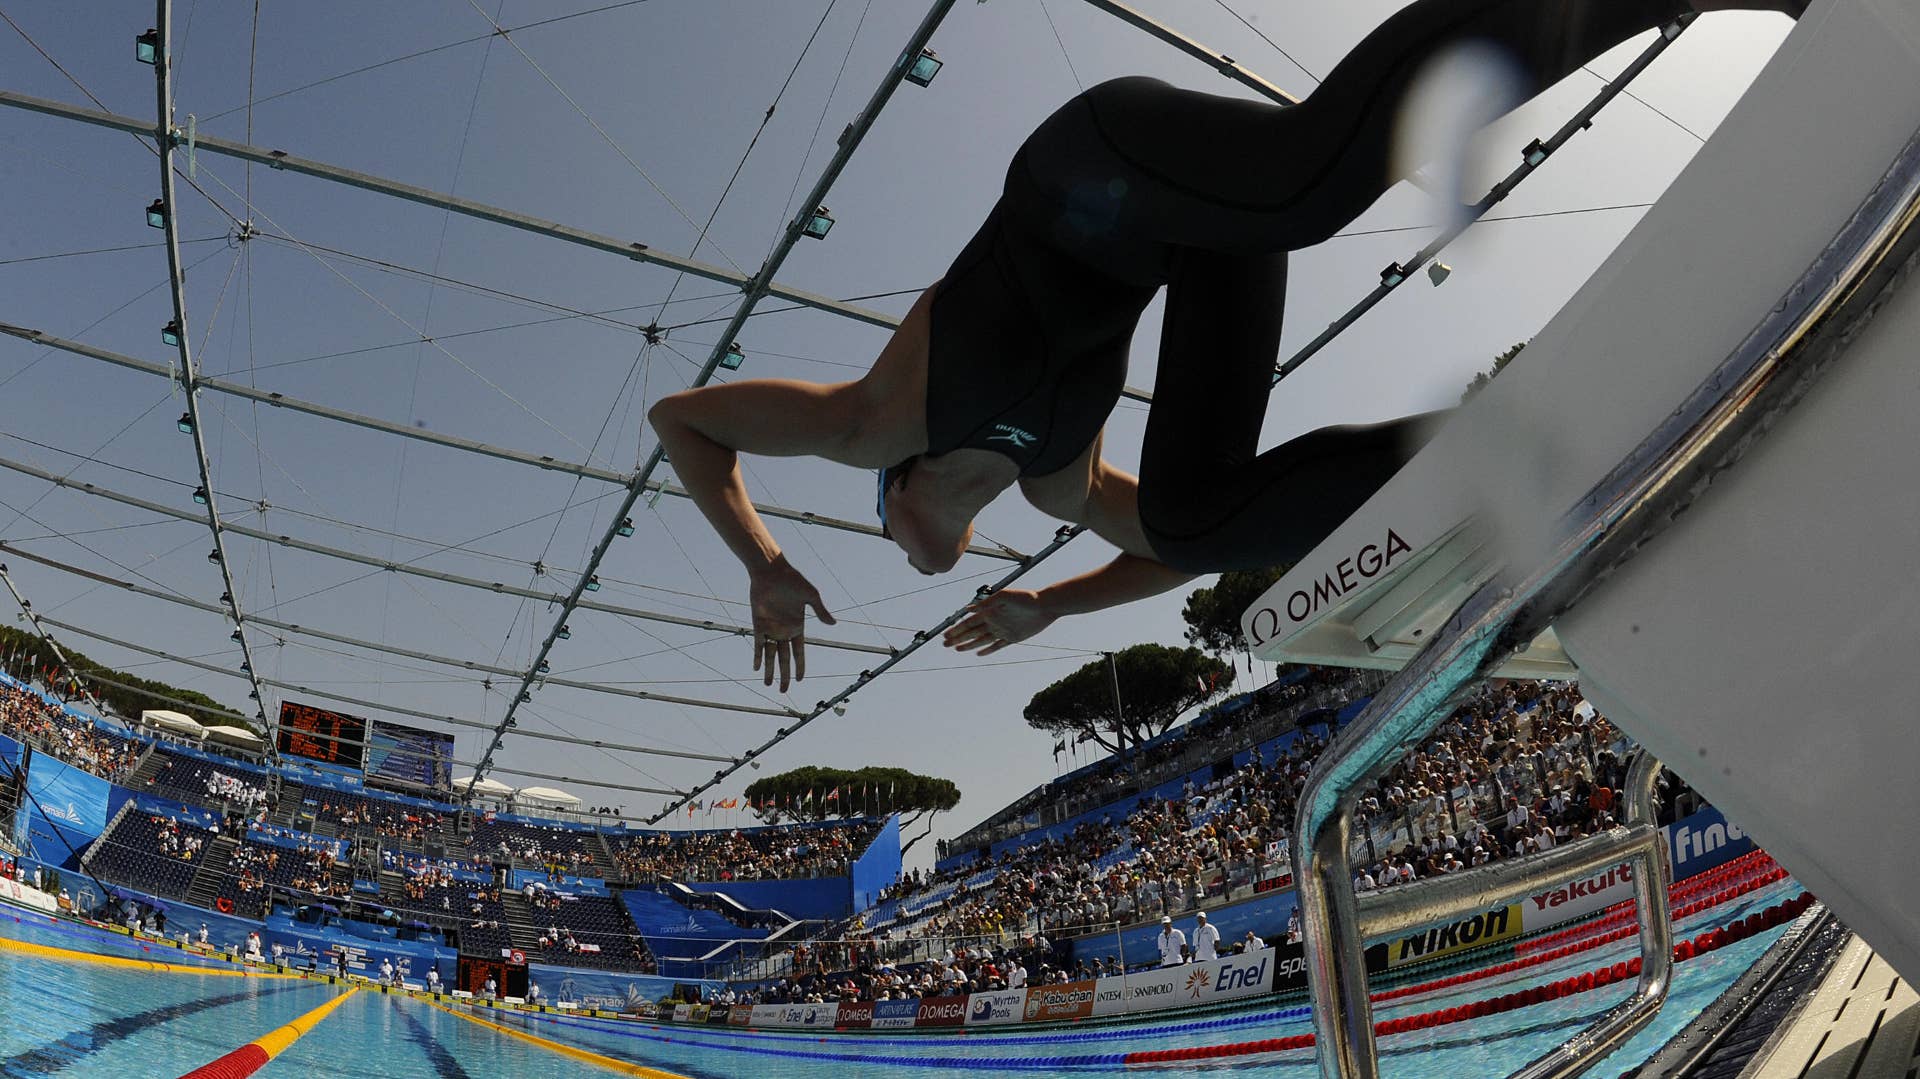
(1166, 919)
(1201, 915)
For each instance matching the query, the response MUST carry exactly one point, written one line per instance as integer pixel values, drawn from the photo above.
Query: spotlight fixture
(200, 495)
(170, 333)
(542, 667)
(625, 529)
(840, 709)
(1393, 275)
(564, 633)
(185, 423)
(733, 357)
(924, 67)
(213, 556)
(157, 214)
(593, 583)
(247, 667)
(1438, 272)
(819, 224)
(525, 697)
(146, 47)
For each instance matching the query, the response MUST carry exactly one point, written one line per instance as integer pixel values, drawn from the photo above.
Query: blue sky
(630, 121)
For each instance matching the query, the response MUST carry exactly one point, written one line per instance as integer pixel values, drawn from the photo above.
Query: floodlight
(924, 67)
(170, 333)
(1439, 272)
(157, 214)
(626, 527)
(146, 47)
(200, 495)
(820, 223)
(733, 357)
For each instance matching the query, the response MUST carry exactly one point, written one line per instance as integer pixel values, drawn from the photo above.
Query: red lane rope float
(223, 905)
(254, 1055)
(1725, 895)
(1588, 981)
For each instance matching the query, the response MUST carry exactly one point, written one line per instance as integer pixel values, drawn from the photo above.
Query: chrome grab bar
(1796, 342)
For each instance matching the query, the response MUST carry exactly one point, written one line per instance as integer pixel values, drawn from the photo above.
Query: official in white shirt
(1172, 942)
(1206, 940)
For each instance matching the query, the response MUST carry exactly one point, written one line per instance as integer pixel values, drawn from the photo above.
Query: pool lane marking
(254, 1055)
(444, 1062)
(72, 1047)
(611, 1063)
(67, 955)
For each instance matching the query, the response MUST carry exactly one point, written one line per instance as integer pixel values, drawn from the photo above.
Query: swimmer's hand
(781, 596)
(1009, 616)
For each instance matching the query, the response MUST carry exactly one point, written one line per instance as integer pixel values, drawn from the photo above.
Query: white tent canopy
(486, 788)
(235, 736)
(177, 722)
(548, 797)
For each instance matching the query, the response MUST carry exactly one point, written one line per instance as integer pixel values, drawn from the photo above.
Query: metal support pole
(164, 135)
(1219, 61)
(756, 290)
(66, 665)
(1119, 710)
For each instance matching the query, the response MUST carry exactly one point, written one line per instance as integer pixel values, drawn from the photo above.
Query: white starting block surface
(1760, 646)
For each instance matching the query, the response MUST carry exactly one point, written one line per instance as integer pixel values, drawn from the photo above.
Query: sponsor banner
(855, 1016)
(15, 892)
(895, 1014)
(1703, 841)
(741, 1015)
(699, 1012)
(1226, 978)
(798, 1016)
(717, 1015)
(1500, 923)
(682, 1013)
(1068, 1000)
(1577, 898)
(938, 1012)
(992, 1009)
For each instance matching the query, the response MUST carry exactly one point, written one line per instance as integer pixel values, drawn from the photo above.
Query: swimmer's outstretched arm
(704, 431)
(1109, 505)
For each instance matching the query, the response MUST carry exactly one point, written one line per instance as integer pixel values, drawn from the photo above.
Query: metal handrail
(1763, 377)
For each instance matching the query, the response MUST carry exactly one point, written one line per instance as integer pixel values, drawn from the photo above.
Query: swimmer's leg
(1135, 160)
(1209, 500)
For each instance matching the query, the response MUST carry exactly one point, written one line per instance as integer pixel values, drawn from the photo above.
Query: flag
(833, 795)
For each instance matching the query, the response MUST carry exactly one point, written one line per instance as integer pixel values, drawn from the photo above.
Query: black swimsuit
(1135, 185)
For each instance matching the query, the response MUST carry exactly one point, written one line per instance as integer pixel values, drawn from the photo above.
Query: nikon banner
(1500, 923)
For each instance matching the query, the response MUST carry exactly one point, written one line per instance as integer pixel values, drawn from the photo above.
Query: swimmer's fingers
(997, 645)
(800, 657)
(785, 651)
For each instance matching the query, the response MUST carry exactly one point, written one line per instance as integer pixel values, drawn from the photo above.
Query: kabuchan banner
(1067, 1000)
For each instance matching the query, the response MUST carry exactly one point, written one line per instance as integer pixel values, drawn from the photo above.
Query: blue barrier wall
(606, 989)
(878, 866)
(823, 897)
(68, 810)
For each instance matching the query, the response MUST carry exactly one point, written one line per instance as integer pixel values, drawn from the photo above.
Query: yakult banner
(1068, 1000)
(992, 1009)
(895, 1014)
(938, 1012)
(1577, 898)
(1225, 978)
(741, 1015)
(682, 1013)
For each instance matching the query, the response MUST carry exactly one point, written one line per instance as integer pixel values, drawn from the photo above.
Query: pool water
(74, 1018)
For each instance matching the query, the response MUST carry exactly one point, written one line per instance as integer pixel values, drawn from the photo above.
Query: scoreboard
(317, 734)
(409, 754)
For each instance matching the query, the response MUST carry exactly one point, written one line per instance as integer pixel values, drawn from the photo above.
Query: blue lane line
(1112, 1033)
(77, 1045)
(445, 1065)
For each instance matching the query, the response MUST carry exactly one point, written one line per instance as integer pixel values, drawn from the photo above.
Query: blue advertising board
(70, 801)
